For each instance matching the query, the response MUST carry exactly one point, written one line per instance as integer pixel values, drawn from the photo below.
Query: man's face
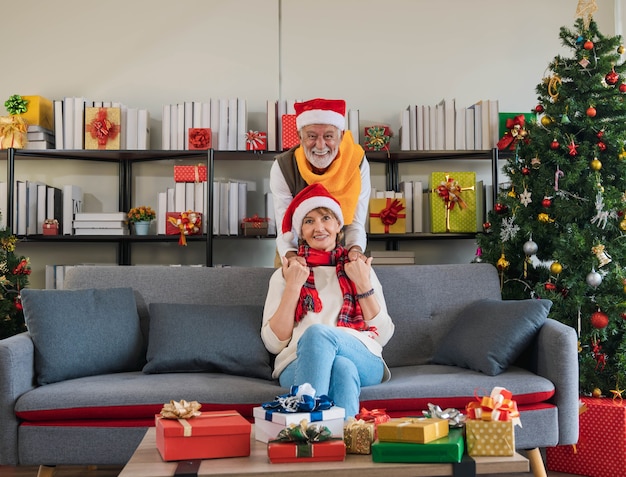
(320, 143)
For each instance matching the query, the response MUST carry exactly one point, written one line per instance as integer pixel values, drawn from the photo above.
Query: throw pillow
(207, 338)
(82, 332)
(489, 335)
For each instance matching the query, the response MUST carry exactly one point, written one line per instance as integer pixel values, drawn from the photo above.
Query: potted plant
(141, 217)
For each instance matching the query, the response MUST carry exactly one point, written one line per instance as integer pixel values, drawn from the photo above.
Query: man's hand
(355, 253)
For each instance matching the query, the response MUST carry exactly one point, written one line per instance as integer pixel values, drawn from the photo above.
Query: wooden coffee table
(147, 462)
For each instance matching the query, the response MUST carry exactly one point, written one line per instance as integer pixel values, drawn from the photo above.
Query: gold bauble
(620, 49)
(596, 165)
(622, 225)
(622, 155)
(556, 268)
(546, 121)
(624, 288)
(596, 393)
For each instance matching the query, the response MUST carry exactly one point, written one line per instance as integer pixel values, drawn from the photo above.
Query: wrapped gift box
(39, 112)
(446, 449)
(489, 438)
(377, 138)
(51, 228)
(453, 202)
(511, 129)
(190, 173)
(13, 132)
(281, 452)
(601, 447)
(211, 435)
(358, 436)
(387, 216)
(267, 424)
(256, 141)
(172, 229)
(255, 227)
(199, 140)
(102, 128)
(290, 131)
(419, 430)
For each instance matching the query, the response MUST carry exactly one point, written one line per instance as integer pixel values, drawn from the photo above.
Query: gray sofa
(100, 419)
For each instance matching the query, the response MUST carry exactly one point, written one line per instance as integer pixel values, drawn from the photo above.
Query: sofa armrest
(17, 375)
(557, 360)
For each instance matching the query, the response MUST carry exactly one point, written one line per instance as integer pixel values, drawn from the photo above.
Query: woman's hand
(295, 272)
(359, 272)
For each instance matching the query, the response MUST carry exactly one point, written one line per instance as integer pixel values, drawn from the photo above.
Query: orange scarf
(343, 176)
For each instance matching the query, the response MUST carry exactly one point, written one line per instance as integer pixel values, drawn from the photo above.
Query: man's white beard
(318, 161)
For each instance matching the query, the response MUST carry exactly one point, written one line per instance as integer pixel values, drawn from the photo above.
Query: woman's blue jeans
(334, 363)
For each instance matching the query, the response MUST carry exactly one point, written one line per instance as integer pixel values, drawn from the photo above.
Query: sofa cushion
(488, 335)
(82, 332)
(209, 338)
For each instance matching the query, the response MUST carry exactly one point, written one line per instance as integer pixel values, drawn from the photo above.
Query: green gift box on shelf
(446, 449)
(453, 202)
(502, 118)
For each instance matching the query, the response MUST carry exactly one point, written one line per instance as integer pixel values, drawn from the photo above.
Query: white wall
(378, 56)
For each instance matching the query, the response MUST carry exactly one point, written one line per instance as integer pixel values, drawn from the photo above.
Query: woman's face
(320, 229)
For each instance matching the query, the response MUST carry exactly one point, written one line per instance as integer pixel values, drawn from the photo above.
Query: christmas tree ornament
(595, 164)
(554, 144)
(622, 154)
(535, 162)
(599, 320)
(596, 393)
(478, 258)
(601, 145)
(622, 88)
(600, 134)
(622, 225)
(538, 109)
(591, 112)
(584, 62)
(502, 263)
(594, 279)
(620, 49)
(600, 253)
(546, 202)
(530, 247)
(556, 268)
(525, 171)
(525, 197)
(486, 226)
(565, 119)
(500, 208)
(546, 121)
(544, 218)
(549, 286)
(553, 88)
(612, 77)
(623, 315)
(588, 45)
(512, 193)
(572, 148)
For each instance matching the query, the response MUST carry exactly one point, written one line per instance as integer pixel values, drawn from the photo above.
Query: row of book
(38, 137)
(445, 126)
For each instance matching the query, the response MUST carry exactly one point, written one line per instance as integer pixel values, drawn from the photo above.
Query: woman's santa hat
(309, 198)
(321, 111)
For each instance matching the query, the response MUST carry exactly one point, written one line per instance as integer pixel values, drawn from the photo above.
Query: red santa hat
(321, 111)
(309, 198)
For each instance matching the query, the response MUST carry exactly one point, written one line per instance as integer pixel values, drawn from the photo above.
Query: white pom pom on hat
(309, 198)
(321, 111)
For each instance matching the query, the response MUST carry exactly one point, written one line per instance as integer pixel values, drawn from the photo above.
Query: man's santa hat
(309, 198)
(321, 111)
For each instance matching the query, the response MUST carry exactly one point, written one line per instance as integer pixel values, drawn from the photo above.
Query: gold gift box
(490, 438)
(39, 112)
(417, 430)
(358, 437)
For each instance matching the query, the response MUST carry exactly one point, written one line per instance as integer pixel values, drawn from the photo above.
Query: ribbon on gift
(304, 436)
(377, 139)
(376, 416)
(498, 406)
(256, 221)
(358, 436)
(301, 398)
(12, 132)
(188, 223)
(450, 192)
(102, 129)
(50, 223)
(256, 140)
(390, 214)
(454, 416)
(516, 132)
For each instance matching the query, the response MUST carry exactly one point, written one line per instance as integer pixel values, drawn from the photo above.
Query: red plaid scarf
(350, 314)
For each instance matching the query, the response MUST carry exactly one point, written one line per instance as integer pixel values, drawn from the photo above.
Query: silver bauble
(594, 279)
(530, 248)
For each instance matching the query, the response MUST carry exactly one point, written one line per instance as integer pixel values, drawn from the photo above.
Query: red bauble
(611, 77)
(539, 108)
(588, 45)
(591, 112)
(500, 208)
(525, 171)
(623, 315)
(487, 225)
(550, 286)
(601, 146)
(546, 202)
(554, 144)
(600, 133)
(599, 320)
(622, 88)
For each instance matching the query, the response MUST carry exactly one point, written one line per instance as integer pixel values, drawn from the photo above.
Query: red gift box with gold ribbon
(183, 223)
(387, 216)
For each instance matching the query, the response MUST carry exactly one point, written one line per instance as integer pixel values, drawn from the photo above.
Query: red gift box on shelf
(256, 141)
(377, 138)
(327, 451)
(183, 223)
(51, 227)
(289, 131)
(190, 173)
(199, 140)
(255, 226)
(601, 447)
(211, 435)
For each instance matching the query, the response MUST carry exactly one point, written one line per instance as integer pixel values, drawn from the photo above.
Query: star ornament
(573, 148)
(525, 198)
(617, 395)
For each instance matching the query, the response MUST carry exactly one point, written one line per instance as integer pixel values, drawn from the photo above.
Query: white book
(281, 110)
(165, 128)
(353, 124)
(179, 197)
(271, 125)
(114, 231)
(39, 136)
(418, 207)
(216, 208)
(188, 119)
(42, 206)
(132, 118)
(197, 115)
(68, 122)
(143, 129)
(99, 224)
(478, 126)
(205, 115)
(39, 145)
(440, 126)
(190, 197)
(469, 129)
(406, 187)
(233, 208)
(198, 200)
(101, 216)
(171, 203)
(224, 216)
(3, 205)
(243, 204)
(405, 130)
(413, 127)
(223, 129)
(242, 123)
(232, 124)
(270, 213)
(49, 279)
(161, 212)
(449, 113)
(123, 118)
(79, 123)
(215, 123)
(180, 127)
(419, 126)
(494, 122)
(173, 127)
(72, 204)
(58, 124)
(59, 277)
(432, 127)
(485, 128)
(459, 130)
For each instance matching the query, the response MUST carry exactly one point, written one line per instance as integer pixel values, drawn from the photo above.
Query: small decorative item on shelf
(256, 141)
(255, 226)
(13, 128)
(453, 202)
(183, 223)
(199, 139)
(512, 130)
(102, 128)
(141, 217)
(51, 227)
(377, 138)
(290, 136)
(388, 216)
(195, 173)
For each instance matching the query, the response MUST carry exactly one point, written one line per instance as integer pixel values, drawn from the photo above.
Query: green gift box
(453, 202)
(446, 449)
(502, 117)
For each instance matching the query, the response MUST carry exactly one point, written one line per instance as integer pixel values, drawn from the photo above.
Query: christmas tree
(14, 273)
(558, 226)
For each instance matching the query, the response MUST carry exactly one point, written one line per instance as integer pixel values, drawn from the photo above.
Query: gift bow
(299, 399)
(304, 433)
(390, 214)
(454, 416)
(450, 191)
(12, 131)
(187, 223)
(256, 221)
(376, 416)
(255, 139)
(181, 409)
(516, 131)
(498, 406)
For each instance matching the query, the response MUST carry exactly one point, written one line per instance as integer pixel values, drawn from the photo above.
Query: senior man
(327, 154)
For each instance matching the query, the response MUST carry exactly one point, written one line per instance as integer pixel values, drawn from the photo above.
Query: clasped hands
(296, 271)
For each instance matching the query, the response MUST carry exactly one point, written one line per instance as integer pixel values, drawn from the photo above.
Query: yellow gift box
(39, 112)
(419, 430)
(453, 202)
(489, 438)
(387, 216)
(358, 436)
